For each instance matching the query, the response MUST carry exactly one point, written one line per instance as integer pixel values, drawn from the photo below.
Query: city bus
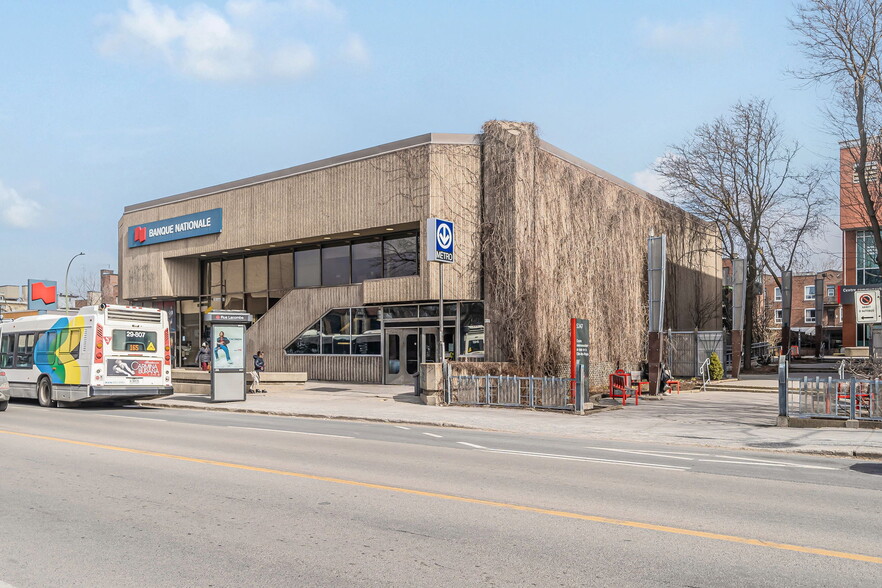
(100, 354)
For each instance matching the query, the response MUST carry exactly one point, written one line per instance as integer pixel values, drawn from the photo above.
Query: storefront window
(214, 277)
(367, 261)
(366, 331)
(281, 272)
(307, 268)
(255, 274)
(341, 331)
(308, 343)
(400, 257)
(471, 329)
(398, 312)
(234, 275)
(335, 265)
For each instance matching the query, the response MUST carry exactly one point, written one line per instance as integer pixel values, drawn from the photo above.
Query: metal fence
(516, 391)
(687, 350)
(832, 398)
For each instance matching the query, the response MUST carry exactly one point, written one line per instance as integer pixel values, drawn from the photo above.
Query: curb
(316, 416)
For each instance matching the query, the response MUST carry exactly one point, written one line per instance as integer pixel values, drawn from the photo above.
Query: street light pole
(66, 291)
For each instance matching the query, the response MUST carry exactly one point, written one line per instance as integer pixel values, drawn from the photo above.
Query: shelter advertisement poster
(228, 347)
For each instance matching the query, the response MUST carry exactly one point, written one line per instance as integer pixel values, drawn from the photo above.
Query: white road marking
(649, 453)
(294, 432)
(471, 445)
(778, 464)
(400, 427)
(433, 435)
(636, 464)
(122, 416)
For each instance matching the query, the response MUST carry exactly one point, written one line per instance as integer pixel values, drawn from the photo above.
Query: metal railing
(704, 370)
(516, 391)
(834, 398)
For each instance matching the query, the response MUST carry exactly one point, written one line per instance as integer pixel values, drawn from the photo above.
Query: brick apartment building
(803, 319)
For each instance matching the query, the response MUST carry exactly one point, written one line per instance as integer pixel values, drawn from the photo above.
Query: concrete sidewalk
(734, 420)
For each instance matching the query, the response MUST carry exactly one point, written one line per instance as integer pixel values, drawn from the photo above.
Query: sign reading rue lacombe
(180, 227)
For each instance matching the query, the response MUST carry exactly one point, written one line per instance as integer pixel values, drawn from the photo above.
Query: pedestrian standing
(203, 358)
(259, 366)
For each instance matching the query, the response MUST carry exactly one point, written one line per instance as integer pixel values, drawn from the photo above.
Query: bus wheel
(44, 393)
(3, 405)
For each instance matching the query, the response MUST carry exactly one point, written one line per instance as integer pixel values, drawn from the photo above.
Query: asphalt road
(154, 497)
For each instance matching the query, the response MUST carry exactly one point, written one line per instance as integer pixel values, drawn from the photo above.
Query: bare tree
(843, 41)
(739, 173)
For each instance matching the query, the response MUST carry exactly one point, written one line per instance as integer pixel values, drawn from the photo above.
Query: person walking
(259, 366)
(203, 358)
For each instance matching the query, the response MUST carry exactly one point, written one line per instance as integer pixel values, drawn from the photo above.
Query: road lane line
(478, 501)
(649, 453)
(400, 427)
(787, 463)
(434, 435)
(294, 432)
(471, 445)
(637, 464)
(122, 416)
(780, 464)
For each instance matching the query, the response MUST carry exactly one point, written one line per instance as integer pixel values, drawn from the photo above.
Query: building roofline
(385, 148)
(428, 138)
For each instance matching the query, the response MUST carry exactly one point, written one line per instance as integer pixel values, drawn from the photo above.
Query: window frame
(779, 316)
(805, 292)
(805, 316)
(777, 294)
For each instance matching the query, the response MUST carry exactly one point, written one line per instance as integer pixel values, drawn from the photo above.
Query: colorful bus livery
(106, 353)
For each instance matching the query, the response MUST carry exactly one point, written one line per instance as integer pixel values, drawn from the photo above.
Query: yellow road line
(505, 505)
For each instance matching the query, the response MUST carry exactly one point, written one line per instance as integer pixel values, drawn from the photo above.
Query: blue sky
(108, 103)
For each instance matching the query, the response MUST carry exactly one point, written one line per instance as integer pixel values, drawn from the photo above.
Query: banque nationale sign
(181, 227)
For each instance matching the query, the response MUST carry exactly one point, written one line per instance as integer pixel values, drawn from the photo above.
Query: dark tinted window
(335, 265)
(400, 257)
(281, 271)
(307, 268)
(367, 261)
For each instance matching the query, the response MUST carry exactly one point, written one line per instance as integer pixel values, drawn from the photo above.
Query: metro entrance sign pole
(439, 237)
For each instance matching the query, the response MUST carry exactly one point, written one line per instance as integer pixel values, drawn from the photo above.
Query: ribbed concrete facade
(396, 187)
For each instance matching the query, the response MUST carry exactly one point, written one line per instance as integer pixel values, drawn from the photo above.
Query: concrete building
(330, 258)
(858, 245)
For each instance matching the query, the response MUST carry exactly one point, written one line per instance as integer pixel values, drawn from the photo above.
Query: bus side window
(24, 351)
(7, 351)
(70, 344)
(45, 349)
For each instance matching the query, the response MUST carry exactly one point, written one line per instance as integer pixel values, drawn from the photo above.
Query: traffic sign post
(440, 242)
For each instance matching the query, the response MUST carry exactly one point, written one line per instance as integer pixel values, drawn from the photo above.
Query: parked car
(4, 392)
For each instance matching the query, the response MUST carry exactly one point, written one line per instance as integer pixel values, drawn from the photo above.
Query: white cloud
(246, 39)
(649, 180)
(16, 210)
(709, 32)
(355, 51)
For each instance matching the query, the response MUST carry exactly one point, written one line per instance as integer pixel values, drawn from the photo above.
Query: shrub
(715, 367)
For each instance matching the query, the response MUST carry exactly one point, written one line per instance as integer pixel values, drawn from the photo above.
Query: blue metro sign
(439, 235)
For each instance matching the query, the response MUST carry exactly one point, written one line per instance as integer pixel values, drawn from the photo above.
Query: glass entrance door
(402, 355)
